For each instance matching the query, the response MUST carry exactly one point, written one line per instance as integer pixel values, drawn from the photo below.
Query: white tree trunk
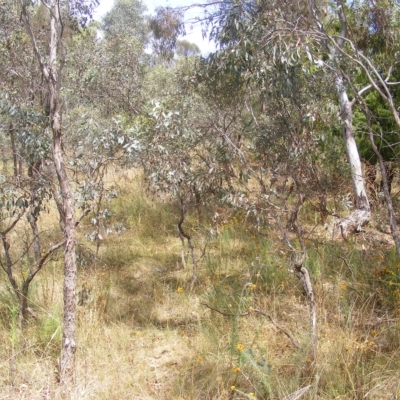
(362, 212)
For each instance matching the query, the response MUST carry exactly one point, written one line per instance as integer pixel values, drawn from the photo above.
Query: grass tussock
(144, 334)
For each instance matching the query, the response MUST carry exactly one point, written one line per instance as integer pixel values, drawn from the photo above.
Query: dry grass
(143, 335)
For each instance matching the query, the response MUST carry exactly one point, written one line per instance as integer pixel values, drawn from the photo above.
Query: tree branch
(25, 18)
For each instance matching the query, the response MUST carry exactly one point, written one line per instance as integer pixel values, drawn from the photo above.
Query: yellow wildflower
(233, 388)
(252, 286)
(180, 289)
(236, 370)
(240, 347)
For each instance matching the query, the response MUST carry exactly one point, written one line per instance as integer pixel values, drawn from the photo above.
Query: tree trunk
(370, 177)
(36, 240)
(362, 212)
(14, 150)
(183, 235)
(52, 75)
(67, 359)
(9, 271)
(389, 172)
(386, 183)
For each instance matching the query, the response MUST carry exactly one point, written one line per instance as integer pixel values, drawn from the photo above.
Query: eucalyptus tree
(96, 152)
(20, 78)
(166, 26)
(54, 83)
(255, 40)
(109, 61)
(364, 53)
(24, 192)
(24, 113)
(51, 65)
(187, 49)
(269, 42)
(180, 142)
(121, 60)
(375, 30)
(25, 196)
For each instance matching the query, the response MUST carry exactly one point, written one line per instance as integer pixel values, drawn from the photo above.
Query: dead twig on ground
(263, 313)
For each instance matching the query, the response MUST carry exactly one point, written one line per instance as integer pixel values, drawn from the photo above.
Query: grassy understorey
(143, 334)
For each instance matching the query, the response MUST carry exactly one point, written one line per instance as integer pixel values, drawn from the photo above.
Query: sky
(193, 32)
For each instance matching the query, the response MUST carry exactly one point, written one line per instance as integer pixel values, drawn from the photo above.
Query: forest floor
(143, 333)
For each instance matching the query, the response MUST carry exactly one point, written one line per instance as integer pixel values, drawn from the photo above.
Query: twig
(342, 233)
(347, 265)
(225, 313)
(279, 327)
(182, 235)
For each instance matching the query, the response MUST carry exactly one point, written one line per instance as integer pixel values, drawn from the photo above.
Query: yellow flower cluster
(240, 347)
(367, 345)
